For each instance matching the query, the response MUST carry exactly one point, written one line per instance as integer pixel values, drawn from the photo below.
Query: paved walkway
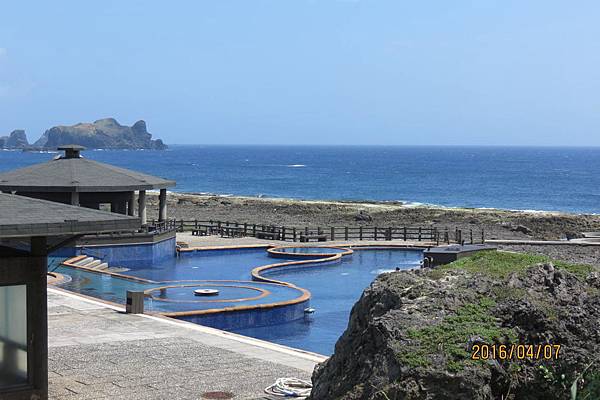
(98, 352)
(207, 241)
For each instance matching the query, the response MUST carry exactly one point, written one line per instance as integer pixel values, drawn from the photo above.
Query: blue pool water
(335, 287)
(207, 266)
(501, 177)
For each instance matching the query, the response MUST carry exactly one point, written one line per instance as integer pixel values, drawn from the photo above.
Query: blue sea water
(542, 178)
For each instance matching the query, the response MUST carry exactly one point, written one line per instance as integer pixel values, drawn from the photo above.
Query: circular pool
(308, 251)
(186, 293)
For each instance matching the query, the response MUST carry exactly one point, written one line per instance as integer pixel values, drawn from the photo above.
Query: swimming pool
(266, 310)
(334, 288)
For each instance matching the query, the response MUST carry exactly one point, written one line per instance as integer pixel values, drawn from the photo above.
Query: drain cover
(217, 395)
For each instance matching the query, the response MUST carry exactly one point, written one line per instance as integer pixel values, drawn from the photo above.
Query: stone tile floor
(214, 240)
(97, 352)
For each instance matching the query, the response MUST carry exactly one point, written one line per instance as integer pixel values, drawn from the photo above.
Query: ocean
(516, 178)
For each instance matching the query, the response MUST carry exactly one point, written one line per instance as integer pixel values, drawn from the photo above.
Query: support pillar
(142, 207)
(162, 204)
(74, 198)
(38, 316)
(130, 204)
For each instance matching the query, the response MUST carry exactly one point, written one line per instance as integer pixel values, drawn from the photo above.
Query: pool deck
(96, 351)
(216, 241)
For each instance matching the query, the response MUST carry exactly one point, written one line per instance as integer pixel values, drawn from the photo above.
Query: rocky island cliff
(104, 133)
(15, 140)
(412, 333)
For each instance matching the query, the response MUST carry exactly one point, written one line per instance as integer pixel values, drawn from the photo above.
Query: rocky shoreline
(497, 224)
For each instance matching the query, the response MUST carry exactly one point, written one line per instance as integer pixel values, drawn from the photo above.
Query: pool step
(101, 267)
(93, 264)
(89, 262)
(84, 262)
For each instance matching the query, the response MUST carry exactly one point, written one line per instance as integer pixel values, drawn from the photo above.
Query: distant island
(104, 133)
(16, 140)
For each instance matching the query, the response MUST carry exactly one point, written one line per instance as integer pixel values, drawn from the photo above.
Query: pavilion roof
(22, 216)
(73, 173)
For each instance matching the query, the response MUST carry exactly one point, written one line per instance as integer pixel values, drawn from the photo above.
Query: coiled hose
(290, 387)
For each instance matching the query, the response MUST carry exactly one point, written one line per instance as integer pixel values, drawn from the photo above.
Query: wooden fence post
(375, 233)
(405, 234)
(294, 233)
(346, 233)
(196, 224)
(283, 233)
(482, 236)
(360, 235)
(471, 234)
(332, 233)
(389, 233)
(419, 234)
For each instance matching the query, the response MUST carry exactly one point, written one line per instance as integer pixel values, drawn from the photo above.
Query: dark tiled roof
(23, 216)
(78, 174)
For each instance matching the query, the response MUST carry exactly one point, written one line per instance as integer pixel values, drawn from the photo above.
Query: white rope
(290, 387)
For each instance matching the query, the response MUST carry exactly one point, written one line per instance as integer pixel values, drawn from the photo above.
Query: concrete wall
(232, 320)
(125, 255)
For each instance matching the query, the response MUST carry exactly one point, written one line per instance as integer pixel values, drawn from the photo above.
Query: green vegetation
(448, 338)
(451, 335)
(501, 264)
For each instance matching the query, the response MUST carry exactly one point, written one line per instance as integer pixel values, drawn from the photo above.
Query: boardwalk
(97, 352)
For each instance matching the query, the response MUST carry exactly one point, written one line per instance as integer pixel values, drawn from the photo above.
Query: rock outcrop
(102, 134)
(16, 140)
(412, 333)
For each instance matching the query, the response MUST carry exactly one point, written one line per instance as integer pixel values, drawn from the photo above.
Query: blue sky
(307, 72)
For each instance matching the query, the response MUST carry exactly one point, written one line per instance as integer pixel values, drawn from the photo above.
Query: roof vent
(71, 150)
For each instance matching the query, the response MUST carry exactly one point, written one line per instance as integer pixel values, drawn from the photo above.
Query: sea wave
(296, 165)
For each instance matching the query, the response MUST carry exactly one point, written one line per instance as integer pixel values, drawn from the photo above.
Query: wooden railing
(295, 233)
(163, 226)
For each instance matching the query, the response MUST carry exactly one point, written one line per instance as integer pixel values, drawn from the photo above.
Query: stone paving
(98, 352)
(214, 240)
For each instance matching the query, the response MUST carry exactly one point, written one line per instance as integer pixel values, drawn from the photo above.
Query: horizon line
(386, 145)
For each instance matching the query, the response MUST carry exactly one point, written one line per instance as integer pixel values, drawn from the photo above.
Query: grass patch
(451, 335)
(501, 264)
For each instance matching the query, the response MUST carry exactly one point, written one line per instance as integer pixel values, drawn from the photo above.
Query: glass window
(13, 335)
